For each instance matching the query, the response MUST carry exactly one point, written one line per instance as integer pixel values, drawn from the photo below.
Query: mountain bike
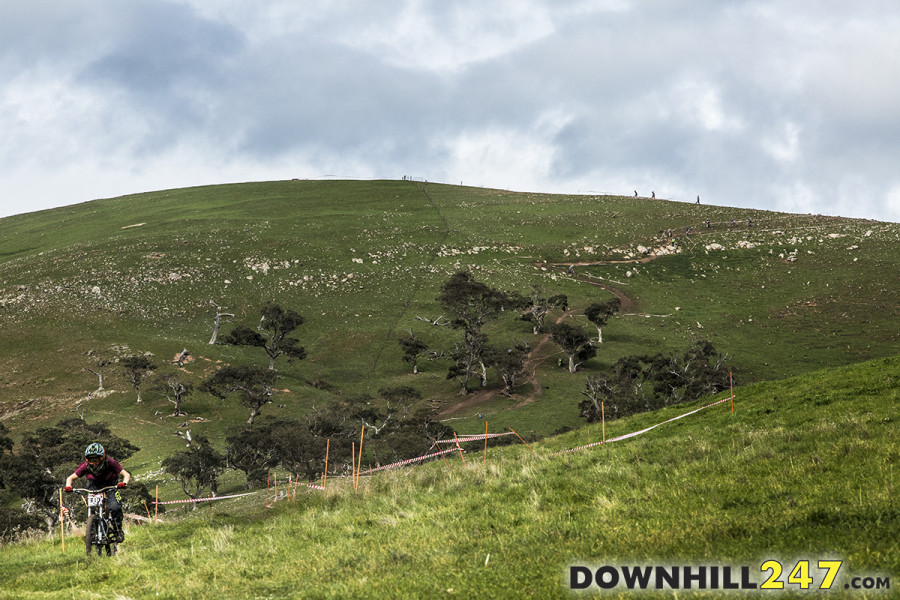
(100, 531)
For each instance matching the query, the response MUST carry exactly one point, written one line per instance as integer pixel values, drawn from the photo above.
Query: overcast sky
(789, 105)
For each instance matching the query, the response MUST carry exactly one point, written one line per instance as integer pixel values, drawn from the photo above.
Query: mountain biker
(103, 471)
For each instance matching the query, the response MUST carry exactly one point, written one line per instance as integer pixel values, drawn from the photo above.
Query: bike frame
(100, 531)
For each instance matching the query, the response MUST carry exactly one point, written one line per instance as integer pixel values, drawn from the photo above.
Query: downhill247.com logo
(771, 575)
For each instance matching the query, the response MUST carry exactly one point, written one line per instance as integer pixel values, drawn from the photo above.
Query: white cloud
(785, 106)
(783, 145)
(437, 36)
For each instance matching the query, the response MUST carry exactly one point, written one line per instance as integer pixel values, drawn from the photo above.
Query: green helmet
(95, 456)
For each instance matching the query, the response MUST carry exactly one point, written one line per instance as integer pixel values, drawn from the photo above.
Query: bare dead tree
(218, 322)
(98, 362)
(431, 321)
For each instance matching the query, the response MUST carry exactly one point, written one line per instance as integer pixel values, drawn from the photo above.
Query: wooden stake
(325, 475)
(485, 443)
(458, 448)
(362, 432)
(523, 441)
(147, 508)
(603, 416)
(359, 462)
(62, 521)
(444, 456)
(731, 379)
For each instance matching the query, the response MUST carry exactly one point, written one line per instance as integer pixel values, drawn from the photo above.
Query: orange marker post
(523, 441)
(731, 379)
(62, 521)
(485, 443)
(362, 433)
(325, 474)
(458, 448)
(444, 456)
(603, 417)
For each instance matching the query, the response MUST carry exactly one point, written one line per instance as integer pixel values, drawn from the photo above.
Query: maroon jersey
(107, 475)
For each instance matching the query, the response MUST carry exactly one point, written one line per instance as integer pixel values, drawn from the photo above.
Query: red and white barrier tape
(456, 448)
(411, 460)
(312, 485)
(472, 438)
(630, 435)
(206, 499)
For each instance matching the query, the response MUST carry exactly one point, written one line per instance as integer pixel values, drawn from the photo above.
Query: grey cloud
(752, 103)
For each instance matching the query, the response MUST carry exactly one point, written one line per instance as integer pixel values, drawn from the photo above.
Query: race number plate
(95, 499)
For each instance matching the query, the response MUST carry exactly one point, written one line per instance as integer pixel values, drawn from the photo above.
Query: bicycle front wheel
(90, 533)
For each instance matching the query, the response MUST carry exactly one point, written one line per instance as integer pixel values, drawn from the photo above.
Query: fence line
(462, 439)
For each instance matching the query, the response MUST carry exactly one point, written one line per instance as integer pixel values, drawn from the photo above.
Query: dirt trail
(538, 354)
(536, 357)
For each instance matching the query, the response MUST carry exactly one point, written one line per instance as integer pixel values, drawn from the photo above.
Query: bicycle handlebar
(110, 487)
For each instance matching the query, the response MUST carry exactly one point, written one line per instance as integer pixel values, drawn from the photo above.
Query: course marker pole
(362, 433)
(458, 448)
(147, 508)
(523, 441)
(444, 456)
(325, 474)
(62, 521)
(731, 379)
(485, 442)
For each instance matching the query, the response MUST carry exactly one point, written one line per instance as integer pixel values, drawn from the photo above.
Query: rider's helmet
(95, 456)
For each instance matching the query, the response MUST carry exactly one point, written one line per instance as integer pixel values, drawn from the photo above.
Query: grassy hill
(805, 469)
(362, 260)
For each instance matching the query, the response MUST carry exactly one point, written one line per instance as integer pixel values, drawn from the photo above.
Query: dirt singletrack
(539, 353)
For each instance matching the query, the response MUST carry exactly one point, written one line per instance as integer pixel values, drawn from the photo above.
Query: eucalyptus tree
(137, 368)
(599, 314)
(273, 334)
(254, 385)
(575, 343)
(470, 305)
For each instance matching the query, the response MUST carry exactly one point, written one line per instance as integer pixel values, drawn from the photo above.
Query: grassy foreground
(805, 469)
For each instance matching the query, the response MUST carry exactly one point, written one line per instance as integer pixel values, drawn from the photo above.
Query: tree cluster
(397, 427)
(644, 383)
(33, 470)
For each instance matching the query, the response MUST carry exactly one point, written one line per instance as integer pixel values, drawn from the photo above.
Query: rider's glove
(68, 489)
(121, 485)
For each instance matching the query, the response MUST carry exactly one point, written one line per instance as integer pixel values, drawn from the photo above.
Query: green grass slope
(805, 469)
(363, 260)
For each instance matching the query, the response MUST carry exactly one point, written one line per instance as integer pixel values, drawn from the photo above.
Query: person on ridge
(103, 471)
